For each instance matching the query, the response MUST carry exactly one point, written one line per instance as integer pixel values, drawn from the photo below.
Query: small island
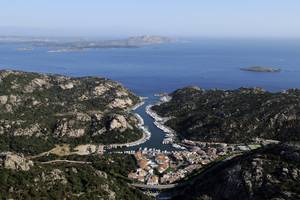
(260, 69)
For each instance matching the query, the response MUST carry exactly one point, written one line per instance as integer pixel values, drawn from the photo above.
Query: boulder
(37, 83)
(12, 99)
(100, 90)
(34, 129)
(121, 93)
(83, 117)
(65, 128)
(8, 108)
(67, 86)
(56, 175)
(118, 122)
(97, 117)
(3, 99)
(121, 103)
(17, 162)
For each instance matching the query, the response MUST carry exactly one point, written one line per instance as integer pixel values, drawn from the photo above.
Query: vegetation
(233, 116)
(121, 164)
(70, 181)
(268, 173)
(38, 111)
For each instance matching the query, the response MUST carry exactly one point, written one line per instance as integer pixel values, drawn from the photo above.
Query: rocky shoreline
(146, 136)
(159, 122)
(139, 104)
(141, 125)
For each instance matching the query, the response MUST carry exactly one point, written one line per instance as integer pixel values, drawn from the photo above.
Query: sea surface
(164, 68)
(147, 70)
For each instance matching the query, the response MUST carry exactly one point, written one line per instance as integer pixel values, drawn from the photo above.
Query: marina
(156, 136)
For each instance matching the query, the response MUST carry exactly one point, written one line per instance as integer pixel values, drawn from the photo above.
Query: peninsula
(39, 111)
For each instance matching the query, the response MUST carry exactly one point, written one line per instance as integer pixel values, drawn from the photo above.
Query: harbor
(159, 122)
(154, 134)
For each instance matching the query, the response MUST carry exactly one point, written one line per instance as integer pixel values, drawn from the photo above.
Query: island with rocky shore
(261, 69)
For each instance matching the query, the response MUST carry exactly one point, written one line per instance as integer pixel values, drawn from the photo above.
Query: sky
(185, 18)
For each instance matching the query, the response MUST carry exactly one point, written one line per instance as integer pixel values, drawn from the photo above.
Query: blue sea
(164, 68)
(160, 68)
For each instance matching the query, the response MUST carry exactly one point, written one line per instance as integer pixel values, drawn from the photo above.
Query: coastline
(141, 125)
(146, 136)
(159, 122)
(139, 104)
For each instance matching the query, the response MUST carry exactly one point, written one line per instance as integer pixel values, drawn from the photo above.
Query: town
(156, 167)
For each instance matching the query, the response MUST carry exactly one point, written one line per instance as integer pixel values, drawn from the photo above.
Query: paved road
(66, 161)
(158, 187)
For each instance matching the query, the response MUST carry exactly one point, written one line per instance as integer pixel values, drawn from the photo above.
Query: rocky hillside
(91, 178)
(269, 173)
(234, 115)
(40, 110)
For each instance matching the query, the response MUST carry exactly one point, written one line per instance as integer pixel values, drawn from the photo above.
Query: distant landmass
(67, 45)
(260, 69)
(148, 40)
